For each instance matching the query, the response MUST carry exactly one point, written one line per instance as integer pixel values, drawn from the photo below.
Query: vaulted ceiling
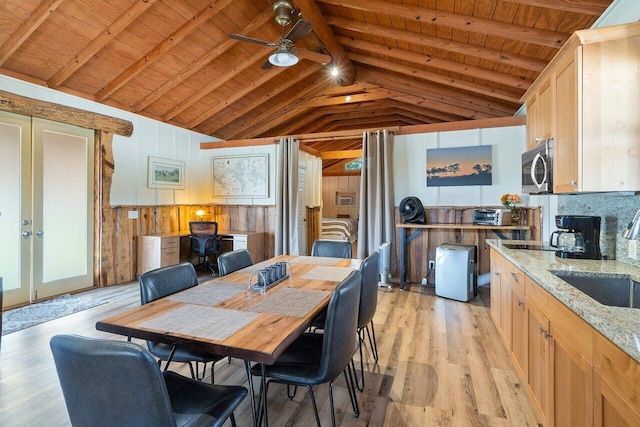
(401, 62)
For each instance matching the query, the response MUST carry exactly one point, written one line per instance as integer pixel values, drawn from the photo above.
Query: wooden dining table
(224, 317)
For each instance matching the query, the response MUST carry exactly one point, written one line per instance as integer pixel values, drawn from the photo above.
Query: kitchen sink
(607, 289)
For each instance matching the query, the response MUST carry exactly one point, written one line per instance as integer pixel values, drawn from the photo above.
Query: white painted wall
(410, 157)
(340, 184)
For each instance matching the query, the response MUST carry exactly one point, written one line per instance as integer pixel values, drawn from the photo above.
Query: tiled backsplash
(616, 210)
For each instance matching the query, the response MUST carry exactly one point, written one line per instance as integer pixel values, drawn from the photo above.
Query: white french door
(46, 210)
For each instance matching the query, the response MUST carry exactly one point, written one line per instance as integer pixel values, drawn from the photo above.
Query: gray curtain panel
(287, 197)
(376, 218)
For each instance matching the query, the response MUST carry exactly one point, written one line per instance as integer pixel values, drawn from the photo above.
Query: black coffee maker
(578, 237)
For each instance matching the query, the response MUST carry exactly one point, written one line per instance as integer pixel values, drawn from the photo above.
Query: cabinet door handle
(573, 183)
(520, 303)
(547, 335)
(515, 277)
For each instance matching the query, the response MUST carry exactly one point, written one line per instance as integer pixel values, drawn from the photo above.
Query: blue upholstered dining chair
(232, 261)
(315, 359)
(159, 283)
(118, 383)
(332, 248)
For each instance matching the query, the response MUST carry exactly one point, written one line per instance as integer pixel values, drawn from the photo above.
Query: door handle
(26, 234)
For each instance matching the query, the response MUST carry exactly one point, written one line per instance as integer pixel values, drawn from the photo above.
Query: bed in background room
(339, 229)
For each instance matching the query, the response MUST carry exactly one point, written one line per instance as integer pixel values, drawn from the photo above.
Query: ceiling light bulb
(283, 59)
(335, 72)
(348, 98)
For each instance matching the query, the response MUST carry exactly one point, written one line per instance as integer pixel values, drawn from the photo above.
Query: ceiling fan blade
(299, 30)
(266, 65)
(251, 40)
(312, 56)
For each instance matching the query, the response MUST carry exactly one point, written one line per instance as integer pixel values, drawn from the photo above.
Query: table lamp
(200, 213)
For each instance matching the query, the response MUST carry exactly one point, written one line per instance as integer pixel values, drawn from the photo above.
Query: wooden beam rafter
(587, 7)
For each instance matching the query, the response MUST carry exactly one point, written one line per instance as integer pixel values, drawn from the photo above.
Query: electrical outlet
(432, 264)
(633, 249)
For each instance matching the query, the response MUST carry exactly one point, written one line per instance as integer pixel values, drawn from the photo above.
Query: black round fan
(412, 211)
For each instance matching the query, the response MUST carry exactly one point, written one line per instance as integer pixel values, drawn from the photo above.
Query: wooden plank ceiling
(401, 62)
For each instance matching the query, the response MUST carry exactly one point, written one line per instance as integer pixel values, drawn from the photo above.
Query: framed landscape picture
(459, 166)
(165, 173)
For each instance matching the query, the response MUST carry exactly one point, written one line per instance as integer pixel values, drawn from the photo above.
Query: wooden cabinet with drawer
(157, 251)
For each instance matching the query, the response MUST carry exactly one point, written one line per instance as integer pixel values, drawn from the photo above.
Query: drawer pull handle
(515, 277)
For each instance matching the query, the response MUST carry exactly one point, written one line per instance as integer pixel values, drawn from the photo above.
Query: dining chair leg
(372, 342)
(315, 407)
(289, 394)
(359, 384)
(333, 412)
(349, 380)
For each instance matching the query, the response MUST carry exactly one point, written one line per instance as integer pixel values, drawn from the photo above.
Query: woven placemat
(201, 321)
(290, 302)
(333, 274)
(316, 260)
(255, 267)
(210, 293)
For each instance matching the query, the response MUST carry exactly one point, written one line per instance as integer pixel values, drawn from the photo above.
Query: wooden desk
(160, 250)
(408, 232)
(267, 324)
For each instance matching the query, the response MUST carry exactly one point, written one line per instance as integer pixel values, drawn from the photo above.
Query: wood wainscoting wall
(423, 248)
(119, 233)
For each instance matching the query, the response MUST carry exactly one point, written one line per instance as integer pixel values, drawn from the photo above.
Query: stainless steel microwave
(537, 169)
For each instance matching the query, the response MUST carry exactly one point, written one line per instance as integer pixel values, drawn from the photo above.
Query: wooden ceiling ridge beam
(428, 112)
(306, 73)
(458, 21)
(201, 62)
(494, 55)
(437, 63)
(27, 27)
(435, 93)
(95, 45)
(371, 95)
(464, 125)
(163, 47)
(214, 84)
(438, 78)
(312, 12)
(586, 7)
(270, 74)
(263, 120)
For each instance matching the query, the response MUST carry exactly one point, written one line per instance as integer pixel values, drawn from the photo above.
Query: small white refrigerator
(456, 271)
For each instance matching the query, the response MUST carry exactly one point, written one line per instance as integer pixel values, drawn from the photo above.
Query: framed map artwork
(240, 176)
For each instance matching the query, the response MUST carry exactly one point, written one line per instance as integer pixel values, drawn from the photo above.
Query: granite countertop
(621, 325)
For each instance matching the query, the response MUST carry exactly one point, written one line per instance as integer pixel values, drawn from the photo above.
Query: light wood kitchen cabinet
(519, 332)
(538, 370)
(592, 88)
(616, 385)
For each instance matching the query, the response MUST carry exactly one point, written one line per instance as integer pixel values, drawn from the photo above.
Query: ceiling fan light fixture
(283, 59)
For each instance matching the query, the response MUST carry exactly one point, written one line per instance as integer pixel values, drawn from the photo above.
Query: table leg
(254, 410)
(263, 397)
(403, 257)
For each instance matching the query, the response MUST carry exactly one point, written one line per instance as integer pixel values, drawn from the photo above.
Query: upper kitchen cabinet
(587, 101)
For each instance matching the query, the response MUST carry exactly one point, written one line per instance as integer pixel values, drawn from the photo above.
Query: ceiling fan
(286, 54)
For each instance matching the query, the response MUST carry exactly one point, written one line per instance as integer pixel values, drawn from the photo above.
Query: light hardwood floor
(442, 363)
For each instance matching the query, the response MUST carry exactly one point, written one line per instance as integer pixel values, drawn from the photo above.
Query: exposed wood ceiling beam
(494, 55)
(343, 154)
(458, 21)
(161, 48)
(201, 62)
(222, 122)
(39, 15)
(200, 118)
(265, 121)
(438, 63)
(109, 33)
(61, 113)
(438, 78)
(312, 12)
(216, 83)
(589, 7)
(371, 95)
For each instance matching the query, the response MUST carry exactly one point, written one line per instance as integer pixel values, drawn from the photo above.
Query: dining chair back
(232, 261)
(332, 248)
(205, 241)
(162, 282)
(368, 304)
(117, 383)
(315, 359)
